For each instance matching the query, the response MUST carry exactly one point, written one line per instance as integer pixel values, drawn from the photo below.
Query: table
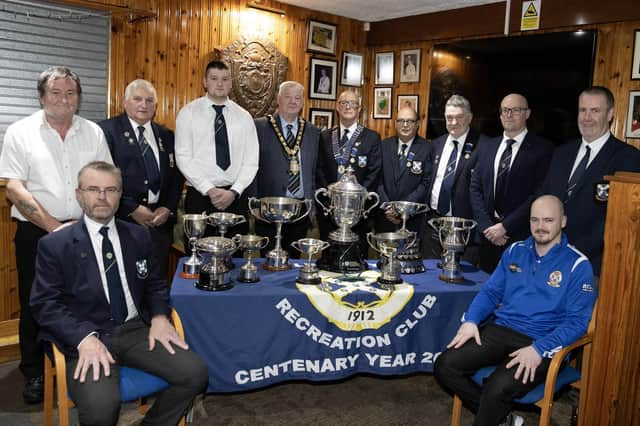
(258, 334)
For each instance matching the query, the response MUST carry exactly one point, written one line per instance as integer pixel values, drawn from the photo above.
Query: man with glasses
(508, 171)
(143, 150)
(41, 156)
(452, 158)
(405, 172)
(100, 296)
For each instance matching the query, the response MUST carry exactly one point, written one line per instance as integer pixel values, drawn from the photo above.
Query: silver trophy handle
(255, 211)
(384, 205)
(263, 243)
(322, 191)
(236, 239)
(308, 204)
(369, 234)
(370, 195)
(422, 209)
(413, 241)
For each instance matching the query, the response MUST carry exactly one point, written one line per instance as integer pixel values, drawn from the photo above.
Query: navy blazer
(586, 215)
(67, 298)
(526, 175)
(273, 173)
(460, 200)
(369, 150)
(410, 181)
(122, 141)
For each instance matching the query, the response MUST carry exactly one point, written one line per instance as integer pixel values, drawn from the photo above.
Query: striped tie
(578, 172)
(502, 181)
(444, 199)
(294, 179)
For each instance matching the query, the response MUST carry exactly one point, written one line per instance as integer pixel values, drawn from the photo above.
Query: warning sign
(530, 15)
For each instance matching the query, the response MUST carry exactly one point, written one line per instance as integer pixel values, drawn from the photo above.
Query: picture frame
(635, 62)
(352, 65)
(409, 100)
(321, 37)
(632, 128)
(410, 65)
(382, 102)
(321, 118)
(323, 75)
(384, 68)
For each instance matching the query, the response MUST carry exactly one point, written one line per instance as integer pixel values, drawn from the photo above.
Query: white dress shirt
(152, 197)
(195, 146)
(34, 153)
(595, 147)
(442, 167)
(514, 151)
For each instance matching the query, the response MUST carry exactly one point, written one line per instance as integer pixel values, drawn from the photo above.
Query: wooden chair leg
(64, 403)
(49, 374)
(456, 411)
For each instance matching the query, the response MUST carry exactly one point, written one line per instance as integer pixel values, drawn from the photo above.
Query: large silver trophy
(390, 245)
(194, 226)
(309, 273)
(411, 258)
(224, 220)
(215, 274)
(251, 244)
(347, 201)
(278, 210)
(453, 233)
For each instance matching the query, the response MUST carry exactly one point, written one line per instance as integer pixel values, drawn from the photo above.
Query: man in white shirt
(216, 148)
(41, 157)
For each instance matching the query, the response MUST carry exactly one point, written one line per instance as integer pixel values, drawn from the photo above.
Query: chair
(134, 384)
(558, 376)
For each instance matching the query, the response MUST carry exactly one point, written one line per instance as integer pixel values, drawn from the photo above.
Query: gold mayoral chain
(294, 166)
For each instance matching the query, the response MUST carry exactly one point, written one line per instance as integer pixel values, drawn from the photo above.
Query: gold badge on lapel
(514, 268)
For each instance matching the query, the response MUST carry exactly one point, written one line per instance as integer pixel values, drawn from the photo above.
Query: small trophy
(224, 220)
(215, 274)
(308, 247)
(195, 226)
(453, 233)
(389, 245)
(411, 259)
(251, 244)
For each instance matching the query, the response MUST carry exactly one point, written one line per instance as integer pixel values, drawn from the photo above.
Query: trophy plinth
(194, 226)
(453, 233)
(215, 274)
(278, 210)
(389, 245)
(411, 261)
(251, 244)
(309, 273)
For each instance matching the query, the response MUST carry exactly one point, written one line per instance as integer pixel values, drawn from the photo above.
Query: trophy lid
(347, 183)
(215, 245)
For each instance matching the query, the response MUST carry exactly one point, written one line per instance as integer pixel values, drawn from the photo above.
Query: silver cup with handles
(194, 226)
(309, 273)
(453, 233)
(251, 244)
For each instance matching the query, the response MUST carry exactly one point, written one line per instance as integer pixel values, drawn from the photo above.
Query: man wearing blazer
(578, 167)
(144, 151)
(288, 160)
(405, 172)
(448, 194)
(349, 145)
(508, 171)
(99, 295)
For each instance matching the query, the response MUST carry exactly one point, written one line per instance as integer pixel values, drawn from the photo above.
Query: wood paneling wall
(9, 301)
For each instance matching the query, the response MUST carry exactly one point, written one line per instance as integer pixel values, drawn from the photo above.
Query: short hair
(56, 73)
(459, 101)
(413, 110)
(216, 65)
(290, 85)
(358, 97)
(140, 84)
(101, 166)
(600, 90)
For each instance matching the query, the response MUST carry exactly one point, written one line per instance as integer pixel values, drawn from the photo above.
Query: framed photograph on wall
(410, 66)
(382, 102)
(384, 68)
(322, 79)
(321, 118)
(633, 115)
(351, 69)
(321, 37)
(635, 63)
(410, 101)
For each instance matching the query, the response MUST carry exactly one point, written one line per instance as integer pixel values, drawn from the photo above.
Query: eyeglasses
(406, 122)
(513, 111)
(95, 191)
(352, 104)
(450, 118)
(60, 94)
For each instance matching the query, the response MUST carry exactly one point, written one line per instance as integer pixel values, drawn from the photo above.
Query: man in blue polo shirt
(542, 296)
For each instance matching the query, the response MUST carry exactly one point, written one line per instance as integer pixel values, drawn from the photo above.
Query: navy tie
(578, 172)
(114, 284)
(294, 179)
(345, 138)
(150, 163)
(502, 181)
(223, 159)
(403, 154)
(444, 199)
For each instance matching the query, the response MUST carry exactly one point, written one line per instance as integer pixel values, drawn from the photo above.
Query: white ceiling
(380, 10)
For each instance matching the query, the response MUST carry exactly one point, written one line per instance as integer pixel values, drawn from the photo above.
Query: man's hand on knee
(162, 331)
(528, 360)
(466, 331)
(92, 353)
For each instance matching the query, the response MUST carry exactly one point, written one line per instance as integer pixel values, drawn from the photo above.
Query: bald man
(546, 292)
(508, 172)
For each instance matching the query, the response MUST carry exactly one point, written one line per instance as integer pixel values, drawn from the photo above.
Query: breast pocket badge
(142, 270)
(362, 161)
(416, 167)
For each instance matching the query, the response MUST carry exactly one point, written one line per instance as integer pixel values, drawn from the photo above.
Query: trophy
(389, 245)
(215, 274)
(251, 244)
(278, 210)
(411, 259)
(309, 247)
(194, 228)
(223, 220)
(347, 198)
(453, 233)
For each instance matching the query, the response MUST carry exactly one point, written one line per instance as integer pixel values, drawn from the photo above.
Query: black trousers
(494, 400)
(99, 402)
(489, 255)
(31, 351)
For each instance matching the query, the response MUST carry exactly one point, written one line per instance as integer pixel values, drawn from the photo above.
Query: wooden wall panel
(9, 302)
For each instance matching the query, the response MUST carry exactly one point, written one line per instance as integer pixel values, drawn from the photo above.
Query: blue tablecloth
(258, 334)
